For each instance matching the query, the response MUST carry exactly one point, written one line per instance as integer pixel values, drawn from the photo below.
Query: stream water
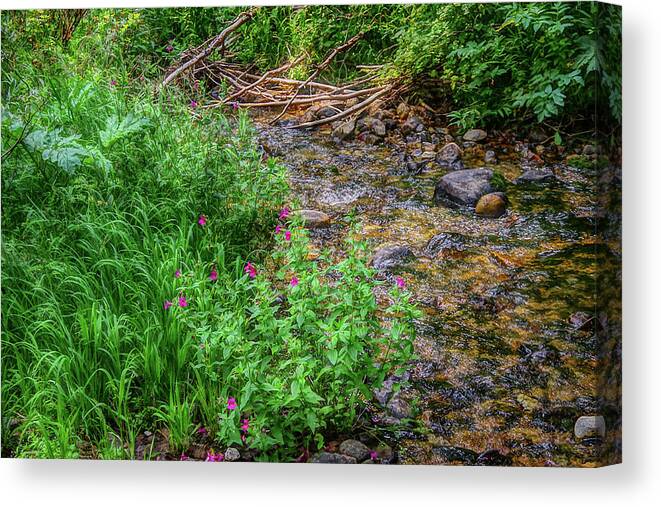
(513, 334)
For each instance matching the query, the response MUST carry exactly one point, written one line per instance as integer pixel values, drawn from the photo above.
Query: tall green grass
(129, 215)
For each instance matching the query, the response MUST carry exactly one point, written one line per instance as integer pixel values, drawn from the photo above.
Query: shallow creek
(504, 366)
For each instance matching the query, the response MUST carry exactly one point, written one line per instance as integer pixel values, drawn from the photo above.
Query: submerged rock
(355, 449)
(334, 458)
(313, 218)
(465, 186)
(492, 205)
(493, 458)
(475, 135)
(391, 256)
(541, 175)
(445, 241)
(590, 426)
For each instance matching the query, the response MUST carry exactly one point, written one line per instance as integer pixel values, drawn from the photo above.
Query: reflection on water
(511, 341)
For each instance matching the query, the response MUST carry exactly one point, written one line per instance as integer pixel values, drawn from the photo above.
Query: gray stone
(590, 426)
(411, 125)
(399, 407)
(475, 135)
(334, 458)
(377, 127)
(490, 157)
(445, 241)
(449, 154)
(313, 219)
(465, 186)
(541, 175)
(391, 256)
(355, 449)
(232, 454)
(345, 130)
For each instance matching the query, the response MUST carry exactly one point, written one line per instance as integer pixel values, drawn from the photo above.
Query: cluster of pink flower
(245, 425)
(182, 303)
(250, 269)
(212, 456)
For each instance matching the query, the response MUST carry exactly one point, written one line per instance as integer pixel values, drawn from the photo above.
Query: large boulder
(334, 458)
(357, 450)
(464, 187)
(491, 205)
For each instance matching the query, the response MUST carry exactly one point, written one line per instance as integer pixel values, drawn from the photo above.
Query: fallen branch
(358, 107)
(218, 41)
(318, 70)
(264, 77)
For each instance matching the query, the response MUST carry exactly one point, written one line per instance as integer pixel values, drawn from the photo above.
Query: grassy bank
(144, 283)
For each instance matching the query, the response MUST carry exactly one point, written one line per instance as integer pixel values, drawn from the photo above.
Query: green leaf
(116, 129)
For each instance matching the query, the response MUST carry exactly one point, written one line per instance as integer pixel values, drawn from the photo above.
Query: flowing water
(505, 359)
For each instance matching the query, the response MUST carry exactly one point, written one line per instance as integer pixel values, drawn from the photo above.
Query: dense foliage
(497, 62)
(143, 285)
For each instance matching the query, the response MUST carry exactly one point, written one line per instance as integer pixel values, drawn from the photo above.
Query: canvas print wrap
(360, 234)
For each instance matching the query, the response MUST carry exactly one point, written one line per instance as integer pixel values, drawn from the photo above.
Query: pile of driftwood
(271, 89)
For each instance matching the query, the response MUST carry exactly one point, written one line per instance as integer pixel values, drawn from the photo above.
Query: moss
(498, 182)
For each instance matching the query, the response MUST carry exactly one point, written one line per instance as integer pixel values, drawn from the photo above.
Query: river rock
(491, 205)
(313, 219)
(449, 154)
(377, 127)
(334, 458)
(232, 454)
(490, 157)
(345, 130)
(412, 125)
(493, 458)
(465, 186)
(357, 450)
(534, 176)
(445, 241)
(391, 256)
(475, 135)
(399, 407)
(590, 426)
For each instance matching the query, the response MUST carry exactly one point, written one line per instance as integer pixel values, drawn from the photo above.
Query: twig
(240, 20)
(319, 68)
(264, 77)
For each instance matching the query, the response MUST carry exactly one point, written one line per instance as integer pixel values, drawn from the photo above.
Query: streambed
(520, 312)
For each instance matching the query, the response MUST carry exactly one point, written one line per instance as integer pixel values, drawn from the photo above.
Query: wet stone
(399, 407)
(345, 130)
(391, 256)
(493, 457)
(464, 187)
(588, 426)
(450, 454)
(313, 219)
(490, 157)
(492, 205)
(541, 175)
(333, 458)
(355, 449)
(475, 135)
(445, 241)
(449, 154)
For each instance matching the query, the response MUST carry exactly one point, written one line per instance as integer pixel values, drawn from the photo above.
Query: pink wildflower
(231, 404)
(250, 269)
(373, 455)
(202, 220)
(400, 282)
(278, 229)
(177, 274)
(113, 82)
(294, 281)
(183, 457)
(211, 456)
(284, 213)
(288, 235)
(213, 276)
(167, 305)
(202, 431)
(196, 85)
(245, 424)
(182, 302)
(193, 104)
(169, 48)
